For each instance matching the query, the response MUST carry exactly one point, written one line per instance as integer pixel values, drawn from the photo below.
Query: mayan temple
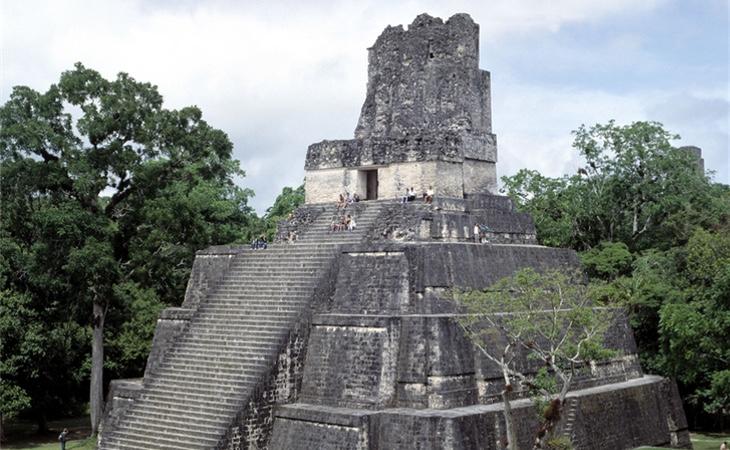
(346, 339)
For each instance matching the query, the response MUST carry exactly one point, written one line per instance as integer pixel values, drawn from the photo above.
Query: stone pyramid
(346, 339)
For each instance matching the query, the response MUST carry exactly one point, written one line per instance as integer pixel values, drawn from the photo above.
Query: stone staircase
(570, 411)
(190, 400)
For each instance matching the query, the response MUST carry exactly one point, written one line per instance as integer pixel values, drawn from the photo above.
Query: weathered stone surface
(426, 77)
(618, 416)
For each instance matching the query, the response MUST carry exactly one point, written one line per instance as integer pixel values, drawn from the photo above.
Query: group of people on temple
(343, 222)
(259, 243)
(410, 195)
(347, 199)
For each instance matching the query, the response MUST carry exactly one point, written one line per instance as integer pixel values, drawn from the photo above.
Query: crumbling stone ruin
(426, 120)
(346, 340)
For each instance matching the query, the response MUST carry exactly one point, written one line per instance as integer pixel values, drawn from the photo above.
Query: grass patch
(701, 441)
(23, 435)
(83, 444)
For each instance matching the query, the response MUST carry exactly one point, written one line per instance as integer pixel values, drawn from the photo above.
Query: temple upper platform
(426, 120)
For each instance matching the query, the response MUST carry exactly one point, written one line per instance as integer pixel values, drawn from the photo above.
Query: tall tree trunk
(96, 394)
(509, 426)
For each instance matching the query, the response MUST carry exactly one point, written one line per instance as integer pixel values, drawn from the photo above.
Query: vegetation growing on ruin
(546, 323)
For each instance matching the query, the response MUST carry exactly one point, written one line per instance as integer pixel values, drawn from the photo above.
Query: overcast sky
(278, 76)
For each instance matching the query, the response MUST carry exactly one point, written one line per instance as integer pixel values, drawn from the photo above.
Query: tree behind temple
(634, 187)
(105, 192)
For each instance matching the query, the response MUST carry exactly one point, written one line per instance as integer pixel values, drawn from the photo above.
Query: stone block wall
(351, 363)
(122, 394)
(620, 416)
(449, 221)
(313, 427)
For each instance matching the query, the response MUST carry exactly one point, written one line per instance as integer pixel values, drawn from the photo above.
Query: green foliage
(653, 235)
(106, 197)
(608, 260)
(559, 443)
(13, 399)
(635, 188)
(548, 315)
(285, 203)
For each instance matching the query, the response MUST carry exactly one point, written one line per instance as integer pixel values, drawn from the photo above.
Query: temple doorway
(371, 184)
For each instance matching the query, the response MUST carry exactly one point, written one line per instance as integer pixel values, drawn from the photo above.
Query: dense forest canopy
(106, 197)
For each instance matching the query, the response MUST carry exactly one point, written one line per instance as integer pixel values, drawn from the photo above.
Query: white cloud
(278, 76)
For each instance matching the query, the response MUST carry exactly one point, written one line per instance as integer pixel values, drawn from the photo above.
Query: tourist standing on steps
(476, 233)
(63, 437)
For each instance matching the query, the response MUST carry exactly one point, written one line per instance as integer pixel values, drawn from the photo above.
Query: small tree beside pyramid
(548, 318)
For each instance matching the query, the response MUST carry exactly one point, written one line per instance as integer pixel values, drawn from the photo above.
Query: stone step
(195, 365)
(167, 439)
(232, 314)
(152, 410)
(177, 405)
(275, 311)
(308, 267)
(239, 322)
(230, 372)
(206, 350)
(197, 428)
(244, 355)
(255, 281)
(271, 290)
(193, 386)
(221, 327)
(252, 329)
(188, 390)
(294, 277)
(234, 341)
(252, 307)
(233, 303)
(209, 375)
(126, 443)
